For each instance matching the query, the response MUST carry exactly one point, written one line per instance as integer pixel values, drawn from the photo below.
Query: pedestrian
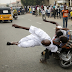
(38, 37)
(48, 12)
(61, 8)
(38, 10)
(58, 12)
(54, 13)
(30, 9)
(71, 15)
(43, 14)
(65, 17)
(51, 8)
(33, 9)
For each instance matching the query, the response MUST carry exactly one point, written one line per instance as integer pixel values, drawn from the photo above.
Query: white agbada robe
(35, 38)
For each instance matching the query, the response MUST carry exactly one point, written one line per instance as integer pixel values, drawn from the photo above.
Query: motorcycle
(63, 55)
(15, 16)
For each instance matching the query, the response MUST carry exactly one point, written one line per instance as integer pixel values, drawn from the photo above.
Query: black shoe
(8, 43)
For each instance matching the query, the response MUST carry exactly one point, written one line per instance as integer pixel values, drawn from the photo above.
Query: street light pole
(70, 2)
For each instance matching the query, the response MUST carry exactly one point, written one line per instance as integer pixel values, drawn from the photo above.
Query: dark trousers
(54, 16)
(47, 54)
(65, 19)
(48, 15)
(57, 14)
(43, 16)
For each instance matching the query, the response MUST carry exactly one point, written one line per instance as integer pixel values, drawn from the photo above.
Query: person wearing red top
(65, 17)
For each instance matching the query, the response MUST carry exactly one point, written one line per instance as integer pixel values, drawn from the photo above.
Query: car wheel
(11, 21)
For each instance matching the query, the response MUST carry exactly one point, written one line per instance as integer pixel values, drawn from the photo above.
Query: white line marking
(38, 23)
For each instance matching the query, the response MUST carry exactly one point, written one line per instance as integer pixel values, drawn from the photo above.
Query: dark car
(20, 10)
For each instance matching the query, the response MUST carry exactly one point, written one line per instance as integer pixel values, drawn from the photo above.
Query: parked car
(20, 10)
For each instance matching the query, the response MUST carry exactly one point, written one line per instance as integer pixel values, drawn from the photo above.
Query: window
(5, 11)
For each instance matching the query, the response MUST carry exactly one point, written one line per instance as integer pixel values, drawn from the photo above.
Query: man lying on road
(37, 38)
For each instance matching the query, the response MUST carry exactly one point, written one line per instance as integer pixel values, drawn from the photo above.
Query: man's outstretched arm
(17, 26)
(51, 22)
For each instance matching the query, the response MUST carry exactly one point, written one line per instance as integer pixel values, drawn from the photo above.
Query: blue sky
(6, 1)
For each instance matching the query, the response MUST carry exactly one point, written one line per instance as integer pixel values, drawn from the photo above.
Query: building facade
(2, 5)
(58, 2)
(18, 3)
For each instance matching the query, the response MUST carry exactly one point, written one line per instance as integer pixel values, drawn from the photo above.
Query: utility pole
(70, 2)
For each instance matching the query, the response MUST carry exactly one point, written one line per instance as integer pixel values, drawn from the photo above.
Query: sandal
(43, 60)
(9, 43)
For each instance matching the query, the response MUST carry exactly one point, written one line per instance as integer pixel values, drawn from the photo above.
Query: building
(2, 5)
(13, 4)
(68, 2)
(58, 2)
(18, 3)
(50, 2)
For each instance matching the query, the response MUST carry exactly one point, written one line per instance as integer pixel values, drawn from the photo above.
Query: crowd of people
(50, 11)
(56, 11)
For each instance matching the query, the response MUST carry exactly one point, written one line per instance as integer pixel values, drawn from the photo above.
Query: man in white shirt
(43, 14)
(37, 38)
(33, 9)
(38, 10)
(45, 8)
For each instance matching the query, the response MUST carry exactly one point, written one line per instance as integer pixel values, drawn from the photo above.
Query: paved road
(15, 59)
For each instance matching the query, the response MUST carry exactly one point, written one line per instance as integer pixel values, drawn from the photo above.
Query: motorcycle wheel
(15, 18)
(65, 64)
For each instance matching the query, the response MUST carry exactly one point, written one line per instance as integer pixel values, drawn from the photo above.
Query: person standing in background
(48, 11)
(58, 12)
(43, 14)
(65, 17)
(61, 8)
(54, 13)
(38, 10)
(71, 14)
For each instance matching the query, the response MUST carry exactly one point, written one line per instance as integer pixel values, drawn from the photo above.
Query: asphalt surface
(15, 59)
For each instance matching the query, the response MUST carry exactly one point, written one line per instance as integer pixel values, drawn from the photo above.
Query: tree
(31, 2)
(7, 5)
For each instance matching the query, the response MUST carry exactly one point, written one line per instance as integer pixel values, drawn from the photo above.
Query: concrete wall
(2, 5)
(46, 2)
(49, 2)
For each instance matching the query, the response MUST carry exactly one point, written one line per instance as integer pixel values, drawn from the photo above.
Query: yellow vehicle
(5, 14)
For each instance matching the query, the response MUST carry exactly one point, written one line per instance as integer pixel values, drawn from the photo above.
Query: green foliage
(31, 2)
(7, 5)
